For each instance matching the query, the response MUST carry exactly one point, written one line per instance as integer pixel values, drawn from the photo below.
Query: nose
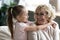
(42, 16)
(38, 17)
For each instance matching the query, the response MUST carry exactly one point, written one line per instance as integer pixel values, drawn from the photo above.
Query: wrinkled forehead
(43, 10)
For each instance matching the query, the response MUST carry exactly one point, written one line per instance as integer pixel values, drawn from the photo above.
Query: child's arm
(31, 28)
(35, 28)
(42, 27)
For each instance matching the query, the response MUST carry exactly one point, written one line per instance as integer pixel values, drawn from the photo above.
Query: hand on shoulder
(53, 24)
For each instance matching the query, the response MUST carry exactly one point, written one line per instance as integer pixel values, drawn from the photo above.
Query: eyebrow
(41, 13)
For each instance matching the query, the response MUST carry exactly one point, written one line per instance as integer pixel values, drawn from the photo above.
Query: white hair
(49, 8)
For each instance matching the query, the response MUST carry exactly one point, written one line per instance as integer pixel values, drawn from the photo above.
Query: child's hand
(53, 24)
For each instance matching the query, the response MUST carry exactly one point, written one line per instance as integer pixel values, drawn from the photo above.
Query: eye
(41, 14)
(36, 13)
(46, 13)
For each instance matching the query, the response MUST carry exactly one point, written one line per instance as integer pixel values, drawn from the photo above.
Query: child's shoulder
(21, 24)
(30, 22)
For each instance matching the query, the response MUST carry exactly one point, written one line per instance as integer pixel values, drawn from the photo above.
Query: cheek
(18, 18)
(25, 18)
(35, 17)
(47, 19)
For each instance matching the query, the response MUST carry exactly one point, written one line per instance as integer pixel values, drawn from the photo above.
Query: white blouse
(49, 33)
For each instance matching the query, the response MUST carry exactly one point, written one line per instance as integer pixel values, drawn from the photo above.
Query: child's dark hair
(13, 12)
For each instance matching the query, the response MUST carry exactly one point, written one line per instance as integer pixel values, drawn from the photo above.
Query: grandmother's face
(41, 16)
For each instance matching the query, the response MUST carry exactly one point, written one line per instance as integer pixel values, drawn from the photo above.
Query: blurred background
(30, 5)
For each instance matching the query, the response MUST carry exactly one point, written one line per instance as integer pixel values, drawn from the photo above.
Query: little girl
(22, 24)
(21, 15)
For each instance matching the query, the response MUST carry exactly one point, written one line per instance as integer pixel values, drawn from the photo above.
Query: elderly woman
(45, 14)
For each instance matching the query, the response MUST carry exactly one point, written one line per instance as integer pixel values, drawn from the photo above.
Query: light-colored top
(19, 33)
(49, 33)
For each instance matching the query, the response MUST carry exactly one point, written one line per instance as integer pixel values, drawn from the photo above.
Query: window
(0, 3)
(31, 4)
(58, 4)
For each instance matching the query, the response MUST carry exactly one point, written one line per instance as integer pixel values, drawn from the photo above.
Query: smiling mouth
(40, 19)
